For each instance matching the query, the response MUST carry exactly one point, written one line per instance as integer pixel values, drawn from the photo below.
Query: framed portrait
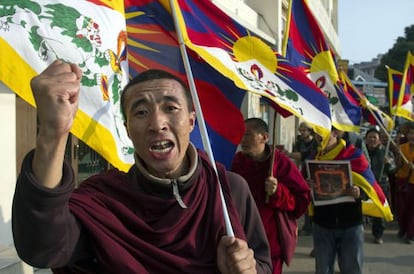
(330, 180)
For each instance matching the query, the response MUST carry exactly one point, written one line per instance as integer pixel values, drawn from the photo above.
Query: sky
(367, 28)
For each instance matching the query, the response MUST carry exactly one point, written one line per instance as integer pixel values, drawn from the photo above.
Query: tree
(395, 57)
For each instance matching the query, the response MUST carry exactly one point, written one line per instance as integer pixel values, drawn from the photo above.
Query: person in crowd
(276, 185)
(382, 165)
(394, 147)
(163, 216)
(338, 228)
(405, 188)
(305, 147)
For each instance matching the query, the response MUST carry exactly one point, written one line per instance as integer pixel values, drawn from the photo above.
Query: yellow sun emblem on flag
(249, 47)
(324, 61)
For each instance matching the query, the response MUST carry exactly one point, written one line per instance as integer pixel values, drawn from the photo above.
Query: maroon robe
(292, 194)
(120, 222)
(133, 237)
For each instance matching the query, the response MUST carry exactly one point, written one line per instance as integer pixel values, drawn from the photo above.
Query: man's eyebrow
(169, 98)
(138, 102)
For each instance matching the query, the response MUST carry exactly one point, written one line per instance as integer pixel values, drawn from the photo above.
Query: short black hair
(155, 74)
(373, 129)
(259, 125)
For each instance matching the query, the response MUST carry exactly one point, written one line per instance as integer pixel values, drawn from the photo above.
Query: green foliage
(395, 57)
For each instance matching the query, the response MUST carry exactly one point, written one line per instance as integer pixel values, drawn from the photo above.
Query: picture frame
(330, 181)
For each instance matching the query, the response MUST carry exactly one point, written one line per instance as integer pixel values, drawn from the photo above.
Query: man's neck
(262, 155)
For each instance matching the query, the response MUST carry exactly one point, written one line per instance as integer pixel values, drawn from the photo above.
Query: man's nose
(158, 121)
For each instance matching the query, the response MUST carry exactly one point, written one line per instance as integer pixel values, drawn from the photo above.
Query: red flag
(405, 105)
(394, 87)
(251, 63)
(306, 48)
(371, 113)
(152, 43)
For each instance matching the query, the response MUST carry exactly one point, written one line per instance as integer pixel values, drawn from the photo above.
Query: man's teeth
(162, 146)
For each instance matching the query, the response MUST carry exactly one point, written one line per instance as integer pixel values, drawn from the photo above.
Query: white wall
(7, 161)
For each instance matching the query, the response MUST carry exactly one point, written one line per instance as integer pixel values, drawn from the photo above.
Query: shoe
(410, 241)
(378, 240)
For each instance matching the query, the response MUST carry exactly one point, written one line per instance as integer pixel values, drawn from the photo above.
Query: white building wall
(7, 162)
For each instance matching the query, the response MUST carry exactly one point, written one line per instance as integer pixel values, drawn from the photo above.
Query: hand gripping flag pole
(199, 113)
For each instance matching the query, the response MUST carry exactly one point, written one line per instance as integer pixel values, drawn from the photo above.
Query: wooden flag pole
(272, 161)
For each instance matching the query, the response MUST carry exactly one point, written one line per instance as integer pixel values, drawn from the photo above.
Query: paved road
(394, 256)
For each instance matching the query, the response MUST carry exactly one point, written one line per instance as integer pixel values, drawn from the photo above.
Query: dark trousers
(405, 205)
(378, 224)
(378, 227)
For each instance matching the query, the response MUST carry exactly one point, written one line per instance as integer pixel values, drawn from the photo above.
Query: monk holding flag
(280, 191)
(162, 216)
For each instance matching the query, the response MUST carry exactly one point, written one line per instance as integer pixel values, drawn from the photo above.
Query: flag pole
(386, 133)
(199, 113)
(380, 124)
(393, 112)
(387, 148)
(272, 161)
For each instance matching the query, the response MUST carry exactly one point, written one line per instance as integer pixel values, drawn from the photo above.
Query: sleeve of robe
(293, 192)
(36, 243)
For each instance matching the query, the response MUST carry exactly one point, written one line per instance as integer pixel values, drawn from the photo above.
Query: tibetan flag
(405, 100)
(376, 204)
(371, 113)
(394, 87)
(253, 65)
(305, 47)
(91, 34)
(152, 43)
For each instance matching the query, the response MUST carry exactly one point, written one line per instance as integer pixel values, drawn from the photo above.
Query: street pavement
(393, 256)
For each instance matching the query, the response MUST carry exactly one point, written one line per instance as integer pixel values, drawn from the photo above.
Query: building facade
(363, 78)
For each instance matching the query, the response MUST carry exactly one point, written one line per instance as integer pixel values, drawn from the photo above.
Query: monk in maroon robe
(163, 216)
(283, 189)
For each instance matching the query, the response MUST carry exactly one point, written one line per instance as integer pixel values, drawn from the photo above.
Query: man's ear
(265, 137)
(193, 118)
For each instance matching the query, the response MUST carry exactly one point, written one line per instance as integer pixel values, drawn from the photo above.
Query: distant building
(362, 76)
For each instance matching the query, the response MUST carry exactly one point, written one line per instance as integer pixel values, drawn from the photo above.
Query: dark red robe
(120, 222)
(292, 194)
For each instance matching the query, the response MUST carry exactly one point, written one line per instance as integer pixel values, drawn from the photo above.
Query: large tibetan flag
(376, 204)
(243, 57)
(91, 34)
(405, 100)
(394, 87)
(371, 113)
(152, 43)
(305, 47)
